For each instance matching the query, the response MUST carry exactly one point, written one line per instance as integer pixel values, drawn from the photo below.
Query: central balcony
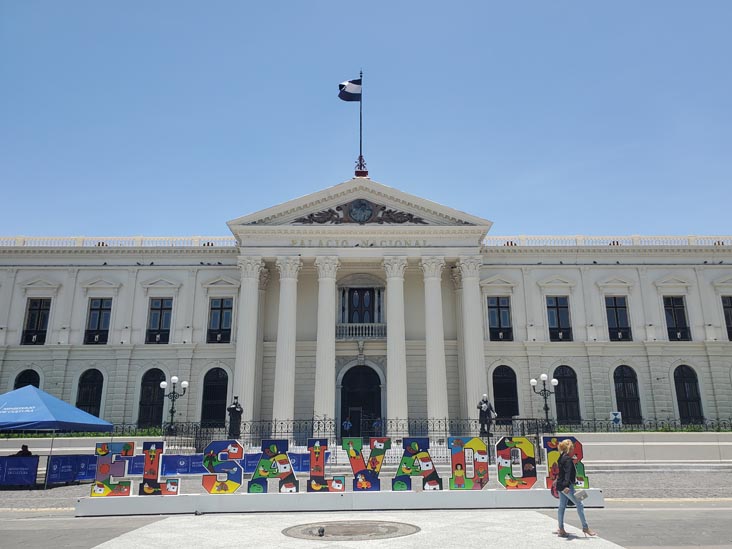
(361, 331)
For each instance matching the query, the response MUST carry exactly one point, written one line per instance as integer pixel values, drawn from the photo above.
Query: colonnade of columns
(397, 401)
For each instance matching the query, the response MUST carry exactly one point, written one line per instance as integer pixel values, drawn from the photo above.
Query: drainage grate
(347, 530)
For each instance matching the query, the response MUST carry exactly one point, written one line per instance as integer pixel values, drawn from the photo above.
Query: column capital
(432, 266)
(263, 278)
(250, 266)
(394, 266)
(288, 266)
(457, 279)
(470, 266)
(327, 266)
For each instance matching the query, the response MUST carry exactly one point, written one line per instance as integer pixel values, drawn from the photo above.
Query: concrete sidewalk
(439, 529)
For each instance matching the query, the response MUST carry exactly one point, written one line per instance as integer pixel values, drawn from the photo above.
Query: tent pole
(48, 463)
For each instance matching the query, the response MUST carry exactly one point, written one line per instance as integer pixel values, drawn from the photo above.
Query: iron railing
(652, 425)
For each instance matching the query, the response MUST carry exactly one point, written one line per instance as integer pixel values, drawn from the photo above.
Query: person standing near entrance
(346, 432)
(235, 410)
(485, 414)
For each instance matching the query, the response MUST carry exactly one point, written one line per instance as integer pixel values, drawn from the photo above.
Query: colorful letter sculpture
(220, 459)
(151, 484)
(223, 462)
(552, 457)
(462, 449)
(366, 475)
(517, 449)
(274, 463)
(109, 467)
(416, 461)
(317, 481)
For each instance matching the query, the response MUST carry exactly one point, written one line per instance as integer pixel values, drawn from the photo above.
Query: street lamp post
(544, 392)
(173, 395)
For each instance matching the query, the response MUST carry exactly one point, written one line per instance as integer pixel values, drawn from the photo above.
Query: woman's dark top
(567, 472)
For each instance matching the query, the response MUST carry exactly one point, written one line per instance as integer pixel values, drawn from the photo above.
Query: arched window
(213, 407)
(687, 395)
(150, 413)
(505, 392)
(566, 395)
(627, 395)
(27, 377)
(89, 395)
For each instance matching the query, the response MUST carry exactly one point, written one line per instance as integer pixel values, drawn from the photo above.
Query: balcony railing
(96, 337)
(361, 331)
(230, 241)
(679, 334)
(500, 334)
(560, 334)
(620, 334)
(634, 240)
(157, 336)
(33, 337)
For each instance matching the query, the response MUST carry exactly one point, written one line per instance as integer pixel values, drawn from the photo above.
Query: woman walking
(565, 488)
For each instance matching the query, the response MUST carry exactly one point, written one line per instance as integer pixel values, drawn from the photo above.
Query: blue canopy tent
(30, 409)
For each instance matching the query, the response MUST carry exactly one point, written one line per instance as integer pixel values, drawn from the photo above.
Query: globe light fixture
(173, 395)
(544, 392)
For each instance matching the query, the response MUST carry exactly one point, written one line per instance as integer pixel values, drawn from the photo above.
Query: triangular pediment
(159, 284)
(671, 282)
(496, 285)
(496, 281)
(723, 283)
(100, 284)
(40, 284)
(614, 283)
(221, 282)
(555, 282)
(360, 201)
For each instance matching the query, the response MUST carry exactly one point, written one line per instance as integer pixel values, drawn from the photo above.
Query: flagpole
(360, 119)
(361, 170)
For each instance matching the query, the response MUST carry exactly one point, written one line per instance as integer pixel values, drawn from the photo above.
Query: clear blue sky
(173, 117)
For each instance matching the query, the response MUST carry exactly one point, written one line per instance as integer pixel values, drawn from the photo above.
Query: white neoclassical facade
(362, 301)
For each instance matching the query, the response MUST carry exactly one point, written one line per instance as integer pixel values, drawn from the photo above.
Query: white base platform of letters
(303, 501)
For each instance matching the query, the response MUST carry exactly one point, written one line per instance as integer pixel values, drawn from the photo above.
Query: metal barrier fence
(192, 438)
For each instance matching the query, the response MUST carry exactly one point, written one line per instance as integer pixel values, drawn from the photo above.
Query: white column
(475, 380)
(324, 403)
(283, 408)
(245, 365)
(396, 352)
(434, 338)
(457, 283)
(263, 281)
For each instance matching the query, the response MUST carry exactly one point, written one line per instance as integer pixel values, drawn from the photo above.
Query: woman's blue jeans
(563, 499)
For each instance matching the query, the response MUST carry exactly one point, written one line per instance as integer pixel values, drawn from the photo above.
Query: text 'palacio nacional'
(365, 302)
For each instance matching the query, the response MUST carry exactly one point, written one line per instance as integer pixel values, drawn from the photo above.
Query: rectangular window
(617, 318)
(158, 320)
(499, 319)
(219, 320)
(36, 321)
(557, 308)
(727, 306)
(97, 323)
(676, 323)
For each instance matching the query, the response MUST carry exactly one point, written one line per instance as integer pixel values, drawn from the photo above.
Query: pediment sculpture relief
(360, 211)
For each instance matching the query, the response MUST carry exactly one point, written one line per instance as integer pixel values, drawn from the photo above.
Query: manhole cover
(345, 530)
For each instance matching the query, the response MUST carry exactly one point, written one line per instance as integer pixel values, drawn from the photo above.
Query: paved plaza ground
(688, 508)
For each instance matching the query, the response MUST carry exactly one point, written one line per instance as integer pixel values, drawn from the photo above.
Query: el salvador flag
(350, 90)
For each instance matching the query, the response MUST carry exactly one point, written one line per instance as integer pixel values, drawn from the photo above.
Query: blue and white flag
(350, 90)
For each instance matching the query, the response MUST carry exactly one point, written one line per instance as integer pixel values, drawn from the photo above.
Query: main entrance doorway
(361, 402)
